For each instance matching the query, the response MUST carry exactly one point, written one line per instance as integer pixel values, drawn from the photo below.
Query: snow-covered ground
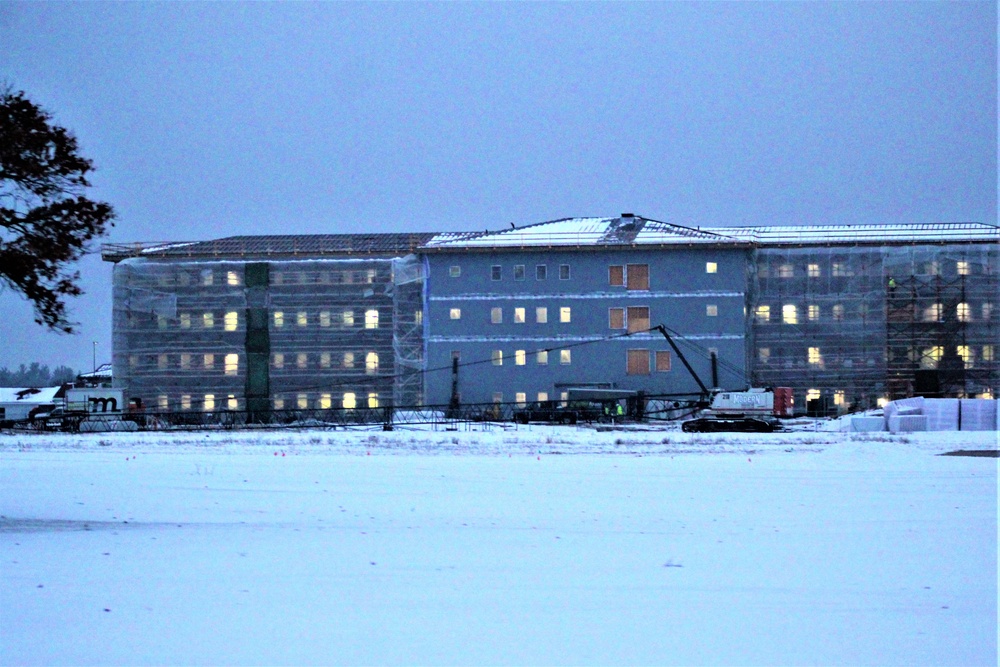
(539, 545)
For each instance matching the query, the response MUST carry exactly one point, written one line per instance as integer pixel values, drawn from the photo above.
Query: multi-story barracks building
(845, 315)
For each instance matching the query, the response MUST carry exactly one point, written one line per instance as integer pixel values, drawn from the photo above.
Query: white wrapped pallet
(907, 423)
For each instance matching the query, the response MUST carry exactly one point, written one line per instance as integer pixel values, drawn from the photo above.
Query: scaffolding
(265, 336)
(848, 327)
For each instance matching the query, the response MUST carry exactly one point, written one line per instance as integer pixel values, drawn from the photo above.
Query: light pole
(95, 356)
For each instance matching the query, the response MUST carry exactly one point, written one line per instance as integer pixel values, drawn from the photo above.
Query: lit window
(185, 361)
(185, 319)
(967, 355)
(496, 315)
(496, 273)
(763, 314)
(231, 320)
(521, 399)
(814, 356)
(497, 357)
(964, 312)
(840, 270)
(637, 318)
(933, 313)
(279, 360)
(519, 272)
(786, 271)
(348, 360)
(637, 277)
(185, 401)
(540, 272)
(520, 357)
(711, 267)
(542, 357)
(161, 361)
(208, 320)
(789, 314)
(563, 398)
(302, 318)
(371, 319)
(663, 361)
(616, 318)
(616, 275)
(930, 356)
(565, 314)
(370, 276)
(962, 267)
(455, 313)
(324, 360)
(232, 364)
(133, 360)
(519, 316)
(454, 271)
(302, 401)
(711, 310)
(565, 357)
(232, 278)
(764, 355)
(813, 270)
(637, 362)
(838, 312)
(232, 403)
(564, 272)
(932, 268)
(543, 396)
(371, 363)
(279, 319)
(987, 311)
(324, 318)
(162, 402)
(418, 317)
(813, 312)
(541, 314)
(372, 399)
(987, 353)
(161, 321)
(206, 277)
(813, 394)
(498, 397)
(279, 403)
(347, 318)
(839, 398)
(325, 401)
(209, 403)
(301, 360)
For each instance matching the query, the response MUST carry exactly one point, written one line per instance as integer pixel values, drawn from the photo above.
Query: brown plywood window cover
(638, 277)
(616, 275)
(662, 361)
(638, 362)
(638, 318)
(616, 318)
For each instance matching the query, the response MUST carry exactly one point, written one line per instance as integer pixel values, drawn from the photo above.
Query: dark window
(662, 360)
(540, 272)
(564, 272)
(638, 362)
(616, 318)
(637, 277)
(495, 272)
(616, 275)
(638, 318)
(519, 272)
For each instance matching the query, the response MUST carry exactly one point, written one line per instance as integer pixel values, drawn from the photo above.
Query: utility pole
(95, 356)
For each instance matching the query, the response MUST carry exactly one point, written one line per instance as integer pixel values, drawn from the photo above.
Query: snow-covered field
(539, 545)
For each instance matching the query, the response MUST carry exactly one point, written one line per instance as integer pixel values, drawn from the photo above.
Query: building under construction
(847, 316)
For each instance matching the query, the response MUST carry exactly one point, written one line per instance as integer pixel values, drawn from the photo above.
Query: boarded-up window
(616, 318)
(637, 276)
(662, 361)
(616, 275)
(638, 318)
(638, 362)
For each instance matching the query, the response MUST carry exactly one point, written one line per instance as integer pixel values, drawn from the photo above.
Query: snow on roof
(941, 232)
(28, 395)
(625, 230)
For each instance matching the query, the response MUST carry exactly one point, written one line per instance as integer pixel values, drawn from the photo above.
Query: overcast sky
(208, 120)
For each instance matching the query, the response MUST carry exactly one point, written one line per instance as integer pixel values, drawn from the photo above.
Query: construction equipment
(751, 410)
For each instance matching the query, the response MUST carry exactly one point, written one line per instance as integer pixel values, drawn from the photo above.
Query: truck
(755, 409)
(85, 409)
